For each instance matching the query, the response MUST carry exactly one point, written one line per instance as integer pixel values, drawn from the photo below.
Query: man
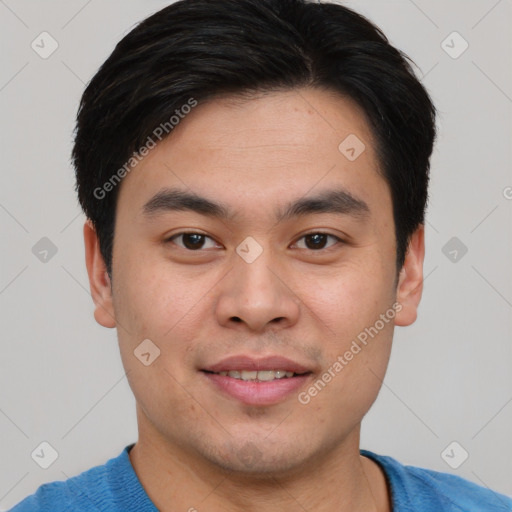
(254, 174)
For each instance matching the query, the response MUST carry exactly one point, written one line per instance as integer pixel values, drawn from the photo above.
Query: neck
(178, 479)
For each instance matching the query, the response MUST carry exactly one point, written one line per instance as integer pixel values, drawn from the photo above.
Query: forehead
(270, 148)
(281, 123)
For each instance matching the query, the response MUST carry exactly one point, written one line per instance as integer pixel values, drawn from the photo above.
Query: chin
(258, 459)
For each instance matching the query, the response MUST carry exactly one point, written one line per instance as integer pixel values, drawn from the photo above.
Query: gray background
(450, 376)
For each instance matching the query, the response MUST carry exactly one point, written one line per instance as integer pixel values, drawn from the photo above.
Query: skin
(300, 302)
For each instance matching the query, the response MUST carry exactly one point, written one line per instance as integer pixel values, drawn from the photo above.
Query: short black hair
(196, 50)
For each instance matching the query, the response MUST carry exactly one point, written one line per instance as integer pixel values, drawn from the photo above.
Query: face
(284, 261)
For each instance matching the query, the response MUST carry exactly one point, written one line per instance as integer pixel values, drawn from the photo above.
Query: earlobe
(99, 280)
(410, 282)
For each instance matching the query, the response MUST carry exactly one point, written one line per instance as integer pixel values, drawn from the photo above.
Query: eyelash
(177, 235)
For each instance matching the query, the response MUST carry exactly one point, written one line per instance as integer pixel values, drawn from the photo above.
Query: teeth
(263, 375)
(245, 375)
(267, 375)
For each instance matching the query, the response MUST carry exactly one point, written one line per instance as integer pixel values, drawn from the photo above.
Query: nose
(257, 295)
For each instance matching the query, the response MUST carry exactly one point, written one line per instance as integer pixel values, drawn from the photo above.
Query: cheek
(158, 302)
(153, 297)
(166, 309)
(356, 341)
(347, 299)
(350, 382)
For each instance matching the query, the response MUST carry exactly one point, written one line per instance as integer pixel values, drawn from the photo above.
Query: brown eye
(190, 241)
(318, 241)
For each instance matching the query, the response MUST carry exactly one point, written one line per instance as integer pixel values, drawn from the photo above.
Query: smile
(257, 388)
(258, 376)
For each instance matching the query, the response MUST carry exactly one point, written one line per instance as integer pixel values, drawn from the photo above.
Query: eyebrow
(337, 201)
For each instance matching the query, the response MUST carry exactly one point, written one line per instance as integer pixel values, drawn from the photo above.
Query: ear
(99, 280)
(410, 282)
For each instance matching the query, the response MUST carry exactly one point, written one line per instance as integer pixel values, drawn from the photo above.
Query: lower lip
(258, 393)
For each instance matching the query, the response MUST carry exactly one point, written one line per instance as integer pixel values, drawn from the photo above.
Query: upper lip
(243, 362)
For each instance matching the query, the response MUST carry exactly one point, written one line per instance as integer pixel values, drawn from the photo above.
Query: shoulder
(104, 487)
(416, 488)
(76, 493)
(54, 496)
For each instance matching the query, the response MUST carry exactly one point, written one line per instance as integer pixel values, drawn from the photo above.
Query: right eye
(190, 240)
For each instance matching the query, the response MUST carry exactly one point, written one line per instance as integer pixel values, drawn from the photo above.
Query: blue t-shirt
(115, 487)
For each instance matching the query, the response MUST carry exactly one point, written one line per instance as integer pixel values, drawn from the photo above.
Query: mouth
(258, 376)
(253, 381)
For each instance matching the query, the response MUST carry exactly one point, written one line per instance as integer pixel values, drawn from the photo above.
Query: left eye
(317, 241)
